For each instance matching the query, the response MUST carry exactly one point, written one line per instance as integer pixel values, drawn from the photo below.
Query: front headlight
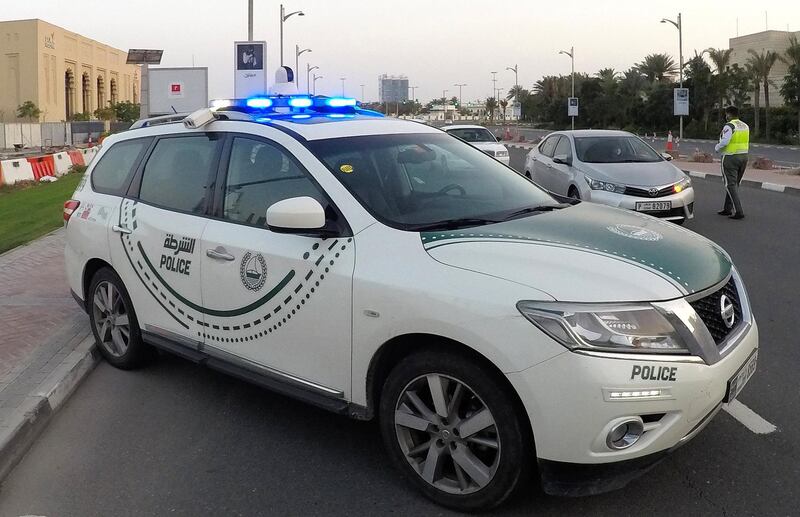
(604, 185)
(501, 154)
(606, 327)
(682, 185)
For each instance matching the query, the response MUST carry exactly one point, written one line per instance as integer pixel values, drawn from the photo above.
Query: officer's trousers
(733, 166)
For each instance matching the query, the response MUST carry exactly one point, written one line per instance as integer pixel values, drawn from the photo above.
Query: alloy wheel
(447, 434)
(111, 319)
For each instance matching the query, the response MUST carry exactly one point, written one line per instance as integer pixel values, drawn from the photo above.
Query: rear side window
(177, 174)
(549, 145)
(113, 171)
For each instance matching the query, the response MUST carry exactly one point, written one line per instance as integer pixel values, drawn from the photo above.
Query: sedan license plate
(741, 377)
(653, 206)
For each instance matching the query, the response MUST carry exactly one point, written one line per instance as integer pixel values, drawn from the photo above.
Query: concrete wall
(35, 135)
(777, 41)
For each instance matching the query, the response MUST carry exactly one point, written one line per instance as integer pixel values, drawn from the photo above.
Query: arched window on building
(114, 94)
(86, 84)
(69, 93)
(101, 93)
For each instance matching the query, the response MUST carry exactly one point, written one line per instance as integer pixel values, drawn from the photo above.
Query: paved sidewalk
(46, 344)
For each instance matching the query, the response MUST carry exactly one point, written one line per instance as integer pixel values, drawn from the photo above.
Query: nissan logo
(653, 192)
(726, 311)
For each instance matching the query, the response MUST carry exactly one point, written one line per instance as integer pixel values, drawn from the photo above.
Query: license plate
(653, 206)
(741, 377)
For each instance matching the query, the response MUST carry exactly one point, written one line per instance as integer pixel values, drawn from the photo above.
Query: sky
(435, 43)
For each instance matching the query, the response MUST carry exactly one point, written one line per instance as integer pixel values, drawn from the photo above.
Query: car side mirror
(296, 214)
(667, 156)
(563, 159)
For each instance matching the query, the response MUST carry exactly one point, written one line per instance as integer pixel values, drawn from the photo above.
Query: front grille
(645, 192)
(708, 309)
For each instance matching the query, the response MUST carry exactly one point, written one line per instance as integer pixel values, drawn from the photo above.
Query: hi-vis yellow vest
(740, 140)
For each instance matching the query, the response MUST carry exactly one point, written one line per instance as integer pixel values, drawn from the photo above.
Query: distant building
(393, 88)
(62, 72)
(777, 41)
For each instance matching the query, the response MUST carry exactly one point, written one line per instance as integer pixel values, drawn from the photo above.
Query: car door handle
(219, 253)
(121, 229)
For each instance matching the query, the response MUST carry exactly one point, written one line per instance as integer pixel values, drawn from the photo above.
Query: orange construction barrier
(76, 157)
(42, 166)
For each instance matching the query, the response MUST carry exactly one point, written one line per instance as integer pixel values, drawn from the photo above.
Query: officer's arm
(725, 137)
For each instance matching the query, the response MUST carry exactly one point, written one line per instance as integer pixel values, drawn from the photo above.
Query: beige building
(62, 72)
(777, 41)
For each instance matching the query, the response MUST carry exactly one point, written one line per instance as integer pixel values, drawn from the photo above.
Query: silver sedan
(614, 168)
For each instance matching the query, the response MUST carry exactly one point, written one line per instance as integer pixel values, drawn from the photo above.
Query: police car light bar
(293, 102)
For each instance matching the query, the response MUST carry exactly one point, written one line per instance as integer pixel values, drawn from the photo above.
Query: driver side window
(259, 175)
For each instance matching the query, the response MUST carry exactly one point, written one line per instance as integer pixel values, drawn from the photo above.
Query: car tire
(500, 446)
(679, 222)
(114, 323)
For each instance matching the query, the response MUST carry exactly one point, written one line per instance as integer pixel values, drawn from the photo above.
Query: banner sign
(681, 101)
(250, 67)
(572, 107)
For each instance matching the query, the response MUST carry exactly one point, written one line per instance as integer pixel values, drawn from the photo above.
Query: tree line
(640, 98)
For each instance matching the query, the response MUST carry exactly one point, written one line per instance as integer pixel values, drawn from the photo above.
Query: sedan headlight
(682, 185)
(604, 185)
(501, 154)
(606, 327)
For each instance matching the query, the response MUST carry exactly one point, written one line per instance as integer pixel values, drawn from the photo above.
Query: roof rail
(157, 121)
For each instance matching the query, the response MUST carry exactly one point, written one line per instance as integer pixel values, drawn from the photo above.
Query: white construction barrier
(62, 163)
(13, 171)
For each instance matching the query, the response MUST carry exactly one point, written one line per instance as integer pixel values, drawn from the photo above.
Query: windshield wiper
(452, 224)
(534, 210)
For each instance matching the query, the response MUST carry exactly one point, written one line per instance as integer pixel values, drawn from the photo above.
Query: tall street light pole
(249, 20)
(362, 93)
(515, 69)
(459, 92)
(571, 55)
(444, 104)
(297, 53)
(285, 17)
(342, 79)
(316, 78)
(678, 25)
(494, 85)
(309, 68)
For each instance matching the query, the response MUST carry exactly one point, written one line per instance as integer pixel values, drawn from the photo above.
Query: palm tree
(503, 105)
(491, 105)
(762, 66)
(791, 85)
(657, 67)
(608, 75)
(755, 77)
(519, 92)
(721, 59)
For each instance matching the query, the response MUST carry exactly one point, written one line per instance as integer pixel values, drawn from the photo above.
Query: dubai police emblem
(253, 271)
(634, 232)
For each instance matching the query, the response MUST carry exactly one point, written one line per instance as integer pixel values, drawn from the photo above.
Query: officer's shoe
(737, 216)
(724, 212)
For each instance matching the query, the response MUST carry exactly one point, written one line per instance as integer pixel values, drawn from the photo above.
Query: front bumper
(682, 203)
(571, 416)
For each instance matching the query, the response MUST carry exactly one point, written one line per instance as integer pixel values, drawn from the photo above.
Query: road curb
(33, 415)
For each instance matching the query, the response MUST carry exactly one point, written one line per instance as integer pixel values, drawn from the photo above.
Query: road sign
(250, 77)
(680, 101)
(572, 107)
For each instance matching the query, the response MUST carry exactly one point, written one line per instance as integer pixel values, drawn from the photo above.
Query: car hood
(587, 253)
(653, 174)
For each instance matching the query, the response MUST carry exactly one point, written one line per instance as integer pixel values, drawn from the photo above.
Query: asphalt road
(178, 439)
(782, 155)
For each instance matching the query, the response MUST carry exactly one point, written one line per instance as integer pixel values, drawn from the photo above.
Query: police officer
(734, 144)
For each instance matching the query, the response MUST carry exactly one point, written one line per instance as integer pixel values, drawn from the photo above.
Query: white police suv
(381, 268)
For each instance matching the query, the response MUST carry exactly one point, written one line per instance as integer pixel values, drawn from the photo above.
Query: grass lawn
(30, 212)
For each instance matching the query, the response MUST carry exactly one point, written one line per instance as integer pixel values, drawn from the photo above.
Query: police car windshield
(473, 134)
(614, 149)
(423, 181)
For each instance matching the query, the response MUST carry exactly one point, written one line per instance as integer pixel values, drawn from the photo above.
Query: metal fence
(23, 135)
(83, 131)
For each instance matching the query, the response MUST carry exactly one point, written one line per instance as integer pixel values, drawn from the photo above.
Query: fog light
(625, 434)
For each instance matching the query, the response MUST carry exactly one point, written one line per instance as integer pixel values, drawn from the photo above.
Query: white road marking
(748, 418)
(698, 174)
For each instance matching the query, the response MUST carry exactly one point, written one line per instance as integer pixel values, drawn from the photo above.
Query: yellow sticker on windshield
(346, 168)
